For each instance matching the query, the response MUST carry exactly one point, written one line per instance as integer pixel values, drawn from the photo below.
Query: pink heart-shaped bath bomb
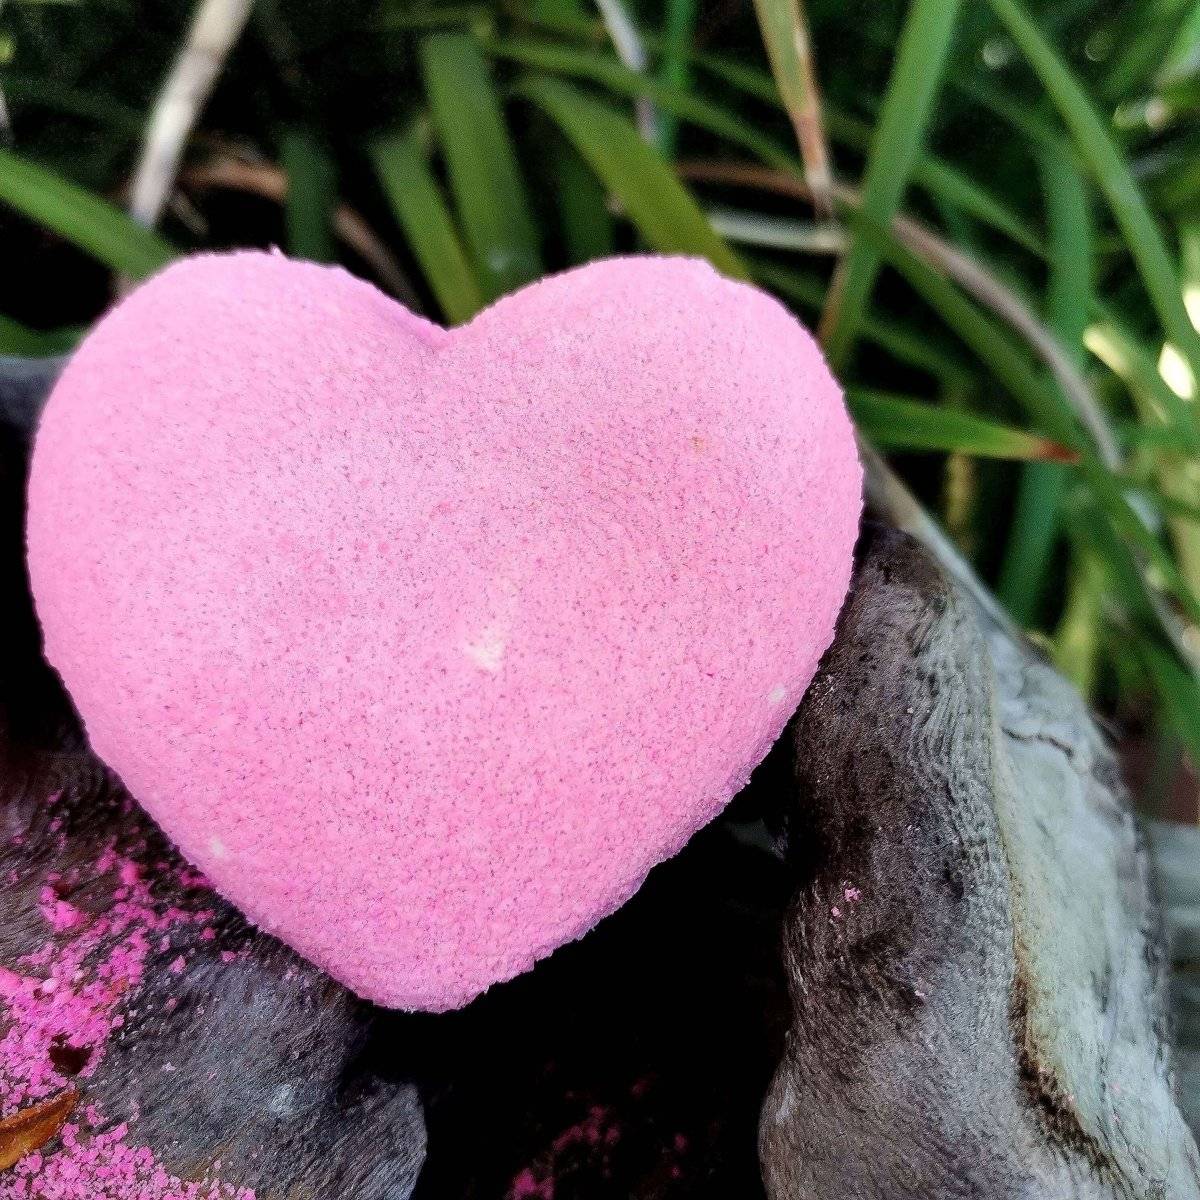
(426, 646)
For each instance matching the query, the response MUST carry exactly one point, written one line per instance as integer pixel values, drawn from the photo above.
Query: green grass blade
(1013, 368)
(20, 340)
(79, 217)
(1075, 643)
(1178, 692)
(893, 422)
(899, 135)
(1097, 148)
(1187, 512)
(552, 11)
(946, 184)
(909, 346)
(995, 347)
(939, 179)
(121, 122)
(789, 50)
(1182, 479)
(311, 195)
(485, 178)
(1140, 56)
(933, 175)
(1157, 405)
(659, 206)
(423, 215)
(601, 68)
(759, 85)
(587, 225)
(674, 70)
(1025, 570)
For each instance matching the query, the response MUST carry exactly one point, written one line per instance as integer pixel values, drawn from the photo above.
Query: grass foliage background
(990, 211)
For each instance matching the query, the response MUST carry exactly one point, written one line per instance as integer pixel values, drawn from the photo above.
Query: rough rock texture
(974, 955)
(189, 1047)
(1176, 854)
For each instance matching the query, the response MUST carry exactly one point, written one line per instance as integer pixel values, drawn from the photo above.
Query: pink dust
(62, 1003)
(104, 1166)
(596, 1131)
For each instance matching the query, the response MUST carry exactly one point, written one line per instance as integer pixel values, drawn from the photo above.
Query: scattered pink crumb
(73, 993)
(104, 1165)
(835, 912)
(852, 894)
(59, 914)
(526, 1186)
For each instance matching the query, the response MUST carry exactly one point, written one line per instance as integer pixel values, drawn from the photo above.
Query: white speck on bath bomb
(426, 646)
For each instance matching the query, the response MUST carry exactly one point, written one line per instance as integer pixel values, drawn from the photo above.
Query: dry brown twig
(215, 29)
(270, 182)
(789, 48)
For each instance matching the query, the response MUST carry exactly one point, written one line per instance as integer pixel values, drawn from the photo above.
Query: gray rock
(974, 957)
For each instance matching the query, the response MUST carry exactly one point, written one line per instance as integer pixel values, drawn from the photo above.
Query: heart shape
(426, 645)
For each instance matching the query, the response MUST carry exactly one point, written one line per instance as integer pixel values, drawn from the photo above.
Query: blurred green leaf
(1077, 638)
(654, 200)
(587, 225)
(1142, 235)
(1179, 691)
(1024, 573)
(311, 195)
(897, 140)
(20, 340)
(421, 212)
(120, 120)
(1139, 57)
(674, 71)
(1120, 349)
(785, 34)
(485, 179)
(906, 344)
(601, 68)
(81, 218)
(893, 422)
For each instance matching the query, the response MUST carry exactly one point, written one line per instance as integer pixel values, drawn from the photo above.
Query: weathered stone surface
(1175, 851)
(974, 959)
(183, 1031)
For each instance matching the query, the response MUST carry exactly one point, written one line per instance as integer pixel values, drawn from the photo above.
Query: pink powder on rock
(71, 994)
(426, 645)
(595, 1132)
(104, 1166)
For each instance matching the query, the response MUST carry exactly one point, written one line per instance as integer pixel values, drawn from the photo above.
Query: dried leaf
(24, 1132)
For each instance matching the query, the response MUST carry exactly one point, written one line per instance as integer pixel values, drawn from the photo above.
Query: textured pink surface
(425, 646)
